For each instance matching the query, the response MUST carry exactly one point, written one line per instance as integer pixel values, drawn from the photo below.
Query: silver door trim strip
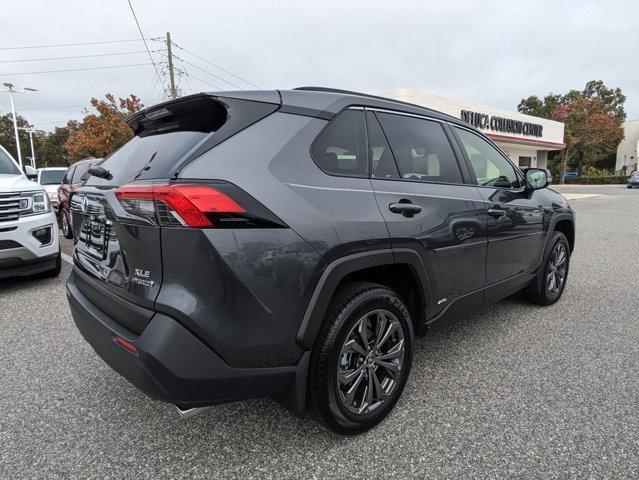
(401, 194)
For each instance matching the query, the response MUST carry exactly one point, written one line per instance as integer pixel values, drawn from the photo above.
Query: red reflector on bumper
(128, 346)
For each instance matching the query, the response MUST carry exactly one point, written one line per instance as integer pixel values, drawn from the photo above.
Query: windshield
(51, 177)
(7, 167)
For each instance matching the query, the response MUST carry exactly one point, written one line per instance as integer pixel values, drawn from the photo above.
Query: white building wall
(628, 149)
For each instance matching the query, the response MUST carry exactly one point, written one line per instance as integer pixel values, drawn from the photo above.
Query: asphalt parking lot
(514, 391)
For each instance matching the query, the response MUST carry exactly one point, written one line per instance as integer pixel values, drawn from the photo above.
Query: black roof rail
(366, 95)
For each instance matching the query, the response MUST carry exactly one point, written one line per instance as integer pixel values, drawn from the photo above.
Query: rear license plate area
(96, 238)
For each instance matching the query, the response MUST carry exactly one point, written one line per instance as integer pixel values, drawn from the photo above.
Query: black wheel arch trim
(556, 218)
(338, 269)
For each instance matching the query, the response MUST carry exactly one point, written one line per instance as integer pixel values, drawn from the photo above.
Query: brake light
(128, 346)
(189, 204)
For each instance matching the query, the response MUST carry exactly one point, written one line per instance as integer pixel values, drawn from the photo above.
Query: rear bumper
(172, 364)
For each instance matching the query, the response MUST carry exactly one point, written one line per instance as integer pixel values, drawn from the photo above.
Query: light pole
(11, 89)
(30, 130)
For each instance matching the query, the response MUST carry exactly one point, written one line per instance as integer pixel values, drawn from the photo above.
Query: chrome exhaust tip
(190, 412)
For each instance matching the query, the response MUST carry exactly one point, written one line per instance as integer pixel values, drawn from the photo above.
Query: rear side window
(341, 147)
(80, 170)
(421, 148)
(68, 175)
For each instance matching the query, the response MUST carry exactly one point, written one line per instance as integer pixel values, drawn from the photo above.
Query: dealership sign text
(501, 124)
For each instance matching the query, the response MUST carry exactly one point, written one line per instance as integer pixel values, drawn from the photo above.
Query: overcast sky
(493, 53)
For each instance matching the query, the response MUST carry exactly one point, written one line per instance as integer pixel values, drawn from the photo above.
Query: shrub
(611, 180)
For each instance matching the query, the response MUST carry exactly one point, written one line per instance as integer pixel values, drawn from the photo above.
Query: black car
(633, 180)
(294, 243)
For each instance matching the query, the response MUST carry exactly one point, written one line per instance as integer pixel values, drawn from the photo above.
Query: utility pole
(173, 91)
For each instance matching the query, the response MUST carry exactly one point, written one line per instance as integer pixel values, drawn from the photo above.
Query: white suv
(51, 178)
(29, 241)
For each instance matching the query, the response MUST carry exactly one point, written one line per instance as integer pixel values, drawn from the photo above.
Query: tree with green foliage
(8, 138)
(593, 119)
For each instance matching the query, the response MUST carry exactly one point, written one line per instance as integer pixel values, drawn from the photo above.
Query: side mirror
(30, 172)
(537, 178)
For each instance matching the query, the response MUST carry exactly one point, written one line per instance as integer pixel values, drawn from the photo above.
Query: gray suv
(293, 244)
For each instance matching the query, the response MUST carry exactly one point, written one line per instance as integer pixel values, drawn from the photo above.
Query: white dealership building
(628, 150)
(524, 138)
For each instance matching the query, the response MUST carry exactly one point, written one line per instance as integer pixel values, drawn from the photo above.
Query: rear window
(141, 154)
(51, 177)
(7, 167)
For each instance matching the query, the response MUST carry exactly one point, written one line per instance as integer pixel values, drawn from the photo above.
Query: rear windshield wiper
(100, 173)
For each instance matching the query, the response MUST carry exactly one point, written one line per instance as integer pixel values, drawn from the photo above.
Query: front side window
(490, 167)
(421, 148)
(341, 147)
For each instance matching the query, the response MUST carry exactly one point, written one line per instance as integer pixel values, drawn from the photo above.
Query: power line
(206, 71)
(73, 44)
(74, 56)
(145, 45)
(203, 81)
(216, 66)
(75, 69)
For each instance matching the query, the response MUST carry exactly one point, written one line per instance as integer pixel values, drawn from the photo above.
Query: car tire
(67, 231)
(550, 283)
(343, 369)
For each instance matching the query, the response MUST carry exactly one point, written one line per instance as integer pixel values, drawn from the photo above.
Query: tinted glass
(490, 166)
(131, 160)
(51, 177)
(7, 167)
(68, 175)
(340, 149)
(80, 170)
(421, 149)
(382, 161)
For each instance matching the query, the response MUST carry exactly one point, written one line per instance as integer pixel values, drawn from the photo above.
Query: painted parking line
(67, 258)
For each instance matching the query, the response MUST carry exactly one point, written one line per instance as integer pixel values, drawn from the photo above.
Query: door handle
(406, 208)
(496, 212)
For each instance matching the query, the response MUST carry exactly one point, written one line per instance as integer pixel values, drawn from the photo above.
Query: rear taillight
(189, 205)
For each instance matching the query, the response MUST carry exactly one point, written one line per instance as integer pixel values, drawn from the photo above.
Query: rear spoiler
(199, 112)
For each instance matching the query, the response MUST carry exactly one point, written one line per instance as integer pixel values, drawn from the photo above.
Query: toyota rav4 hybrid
(28, 235)
(294, 243)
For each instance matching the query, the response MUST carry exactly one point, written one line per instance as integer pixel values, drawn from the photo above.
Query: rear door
(515, 215)
(428, 207)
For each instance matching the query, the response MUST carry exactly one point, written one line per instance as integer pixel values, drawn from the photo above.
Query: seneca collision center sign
(501, 124)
